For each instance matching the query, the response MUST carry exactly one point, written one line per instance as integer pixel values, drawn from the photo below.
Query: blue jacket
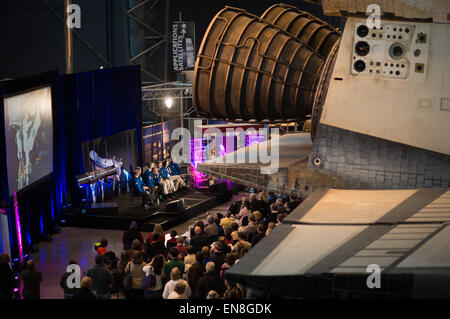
(164, 173)
(175, 169)
(147, 177)
(137, 185)
(156, 180)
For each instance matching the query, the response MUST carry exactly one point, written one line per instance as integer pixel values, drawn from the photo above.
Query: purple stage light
(18, 230)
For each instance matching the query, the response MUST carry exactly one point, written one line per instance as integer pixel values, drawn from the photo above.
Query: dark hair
(190, 250)
(199, 256)
(173, 233)
(158, 264)
(219, 215)
(234, 226)
(273, 207)
(242, 235)
(280, 217)
(155, 236)
(98, 259)
(219, 245)
(180, 288)
(137, 258)
(103, 243)
(72, 262)
(229, 214)
(260, 228)
(173, 252)
(229, 259)
(217, 221)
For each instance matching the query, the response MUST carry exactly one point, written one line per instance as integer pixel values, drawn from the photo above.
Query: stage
(120, 212)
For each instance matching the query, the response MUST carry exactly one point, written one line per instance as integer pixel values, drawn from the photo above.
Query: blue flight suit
(175, 169)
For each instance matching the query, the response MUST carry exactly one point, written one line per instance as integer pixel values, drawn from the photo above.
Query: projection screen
(29, 137)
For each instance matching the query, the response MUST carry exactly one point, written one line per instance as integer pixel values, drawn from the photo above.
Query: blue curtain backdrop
(85, 106)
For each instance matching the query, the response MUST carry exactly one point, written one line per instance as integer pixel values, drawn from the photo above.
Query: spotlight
(169, 102)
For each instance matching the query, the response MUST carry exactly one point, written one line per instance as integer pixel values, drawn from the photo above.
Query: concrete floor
(78, 244)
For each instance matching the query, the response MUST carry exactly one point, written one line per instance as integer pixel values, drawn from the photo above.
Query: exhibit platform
(117, 214)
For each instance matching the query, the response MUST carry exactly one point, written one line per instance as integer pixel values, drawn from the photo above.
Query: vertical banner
(183, 45)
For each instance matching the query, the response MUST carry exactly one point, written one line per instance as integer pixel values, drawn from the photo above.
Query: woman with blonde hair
(270, 227)
(174, 280)
(85, 291)
(134, 269)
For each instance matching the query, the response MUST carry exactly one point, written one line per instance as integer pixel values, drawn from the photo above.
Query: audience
(195, 271)
(174, 280)
(209, 281)
(200, 239)
(211, 229)
(174, 262)
(155, 268)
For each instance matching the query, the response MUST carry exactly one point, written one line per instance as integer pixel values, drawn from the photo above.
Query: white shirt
(170, 286)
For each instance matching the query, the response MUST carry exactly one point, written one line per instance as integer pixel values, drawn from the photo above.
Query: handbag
(149, 281)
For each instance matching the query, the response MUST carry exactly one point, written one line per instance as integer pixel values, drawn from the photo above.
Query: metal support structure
(145, 40)
(68, 39)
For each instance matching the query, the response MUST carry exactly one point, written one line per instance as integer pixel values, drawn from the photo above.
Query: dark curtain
(85, 106)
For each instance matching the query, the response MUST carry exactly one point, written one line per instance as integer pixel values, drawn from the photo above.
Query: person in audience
(206, 255)
(69, 293)
(156, 268)
(228, 261)
(280, 206)
(209, 281)
(123, 262)
(227, 238)
(295, 200)
(272, 198)
(232, 291)
(131, 234)
(165, 178)
(174, 262)
(160, 231)
(200, 239)
(31, 279)
(195, 271)
(260, 234)
(239, 249)
(273, 213)
(234, 231)
(172, 242)
(217, 254)
(242, 238)
(280, 217)
(174, 280)
(220, 231)
(139, 188)
(245, 211)
(179, 291)
(101, 279)
(85, 291)
(250, 229)
(7, 281)
(212, 295)
(155, 247)
(189, 259)
(177, 181)
(101, 250)
(270, 227)
(135, 270)
(254, 202)
(211, 228)
(180, 246)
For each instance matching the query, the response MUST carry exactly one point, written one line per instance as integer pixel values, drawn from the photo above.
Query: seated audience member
(197, 223)
(254, 202)
(211, 228)
(177, 181)
(232, 291)
(270, 227)
(227, 220)
(260, 234)
(220, 230)
(160, 231)
(273, 213)
(294, 202)
(212, 295)
(31, 280)
(250, 229)
(131, 234)
(272, 198)
(165, 178)
(156, 268)
(101, 250)
(280, 206)
(174, 279)
(242, 238)
(174, 262)
(195, 271)
(209, 281)
(155, 247)
(200, 239)
(234, 231)
(139, 188)
(101, 279)
(206, 255)
(172, 242)
(227, 238)
(135, 269)
(239, 249)
(264, 204)
(280, 217)
(189, 259)
(180, 246)
(7, 281)
(245, 211)
(84, 292)
(69, 293)
(217, 254)
(228, 261)
(179, 291)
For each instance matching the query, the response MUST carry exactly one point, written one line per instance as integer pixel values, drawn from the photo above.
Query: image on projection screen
(29, 137)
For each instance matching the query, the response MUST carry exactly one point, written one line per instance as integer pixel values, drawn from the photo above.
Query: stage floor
(120, 212)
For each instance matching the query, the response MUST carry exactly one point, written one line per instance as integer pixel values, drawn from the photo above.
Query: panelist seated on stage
(178, 182)
(139, 188)
(165, 178)
(163, 186)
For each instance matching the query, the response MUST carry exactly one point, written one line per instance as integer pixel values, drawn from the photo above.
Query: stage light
(169, 102)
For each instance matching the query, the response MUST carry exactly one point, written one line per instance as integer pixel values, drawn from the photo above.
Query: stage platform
(119, 213)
